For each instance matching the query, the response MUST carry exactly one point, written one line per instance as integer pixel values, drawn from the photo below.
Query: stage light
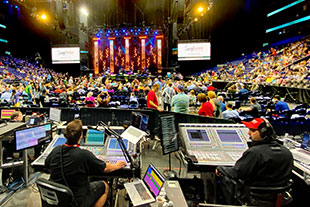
(98, 34)
(124, 30)
(126, 33)
(131, 30)
(200, 9)
(136, 33)
(116, 34)
(43, 16)
(196, 19)
(100, 31)
(107, 35)
(147, 29)
(109, 31)
(84, 11)
(139, 30)
(156, 32)
(145, 33)
(16, 7)
(115, 31)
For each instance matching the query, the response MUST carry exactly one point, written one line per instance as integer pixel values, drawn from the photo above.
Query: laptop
(145, 191)
(302, 154)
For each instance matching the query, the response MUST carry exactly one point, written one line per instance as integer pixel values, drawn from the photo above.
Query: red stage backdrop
(128, 53)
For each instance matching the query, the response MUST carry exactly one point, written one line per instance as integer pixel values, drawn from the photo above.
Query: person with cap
(265, 164)
(71, 166)
(180, 102)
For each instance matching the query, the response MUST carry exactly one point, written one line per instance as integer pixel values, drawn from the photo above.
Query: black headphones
(266, 130)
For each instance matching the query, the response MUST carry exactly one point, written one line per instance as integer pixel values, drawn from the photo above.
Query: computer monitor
(94, 137)
(55, 114)
(197, 135)
(305, 142)
(139, 120)
(48, 134)
(228, 136)
(114, 145)
(6, 113)
(169, 138)
(29, 137)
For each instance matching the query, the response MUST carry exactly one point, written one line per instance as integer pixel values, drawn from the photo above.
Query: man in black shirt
(78, 164)
(265, 163)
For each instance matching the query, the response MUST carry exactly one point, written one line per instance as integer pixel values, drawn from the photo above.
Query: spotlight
(139, 30)
(43, 16)
(126, 33)
(136, 33)
(147, 29)
(100, 31)
(116, 34)
(16, 7)
(156, 32)
(131, 30)
(124, 30)
(98, 34)
(115, 31)
(145, 33)
(109, 31)
(107, 35)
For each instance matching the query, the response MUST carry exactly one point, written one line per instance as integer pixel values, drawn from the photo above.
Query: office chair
(54, 194)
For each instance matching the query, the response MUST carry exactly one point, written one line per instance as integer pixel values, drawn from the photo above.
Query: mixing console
(214, 144)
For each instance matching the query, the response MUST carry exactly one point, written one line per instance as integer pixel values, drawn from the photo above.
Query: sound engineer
(265, 164)
(71, 166)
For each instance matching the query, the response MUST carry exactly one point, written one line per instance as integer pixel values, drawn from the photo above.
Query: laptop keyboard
(142, 191)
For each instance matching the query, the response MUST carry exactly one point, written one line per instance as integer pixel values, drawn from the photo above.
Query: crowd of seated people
(274, 67)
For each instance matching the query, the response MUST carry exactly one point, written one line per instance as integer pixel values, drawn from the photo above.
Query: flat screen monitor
(55, 114)
(114, 145)
(94, 137)
(139, 120)
(65, 55)
(228, 136)
(6, 113)
(48, 134)
(59, 141)
(197, 135)
(29, 137)
(194, 51)
(169, 138)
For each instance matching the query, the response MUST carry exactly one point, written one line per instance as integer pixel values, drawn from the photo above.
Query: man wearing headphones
(265, 163)
(71, 166)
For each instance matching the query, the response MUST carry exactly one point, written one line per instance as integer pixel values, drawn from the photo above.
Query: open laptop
(302, 154)
(145, 191)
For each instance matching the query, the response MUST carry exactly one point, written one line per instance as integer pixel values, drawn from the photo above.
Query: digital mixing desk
(214, 144)
(103, 147)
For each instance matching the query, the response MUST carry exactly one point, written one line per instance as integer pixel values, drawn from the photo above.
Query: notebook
(145, 191)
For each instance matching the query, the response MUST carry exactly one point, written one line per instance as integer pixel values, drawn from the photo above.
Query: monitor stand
(169, 174)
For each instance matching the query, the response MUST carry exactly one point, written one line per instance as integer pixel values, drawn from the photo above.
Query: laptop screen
(6, 113)
(305, 141)
(153, 180)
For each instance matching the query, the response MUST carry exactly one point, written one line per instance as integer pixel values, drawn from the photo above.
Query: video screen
(6, 113)
(228, 135)
(305, 142)
(194, 51)
(65, 55)
(29, 137)
(197, 135)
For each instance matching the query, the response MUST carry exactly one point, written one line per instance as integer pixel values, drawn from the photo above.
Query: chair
(54, 194)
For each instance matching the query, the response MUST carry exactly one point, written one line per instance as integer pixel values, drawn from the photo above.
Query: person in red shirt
(152, 101)
(206, 108)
